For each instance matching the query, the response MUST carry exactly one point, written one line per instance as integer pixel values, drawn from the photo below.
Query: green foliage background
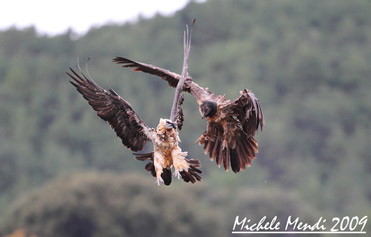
(307, 61)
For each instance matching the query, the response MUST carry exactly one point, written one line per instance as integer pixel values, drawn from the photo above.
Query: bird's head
(167, 124)
(208, 108)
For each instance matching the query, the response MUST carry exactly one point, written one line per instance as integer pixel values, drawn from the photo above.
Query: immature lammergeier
(134, 133)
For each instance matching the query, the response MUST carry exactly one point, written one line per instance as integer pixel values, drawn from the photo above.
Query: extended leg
(179, 161)
(158, 161)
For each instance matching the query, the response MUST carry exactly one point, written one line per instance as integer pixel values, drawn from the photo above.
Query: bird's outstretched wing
(171, 77)
(247, 109)
(133, 132)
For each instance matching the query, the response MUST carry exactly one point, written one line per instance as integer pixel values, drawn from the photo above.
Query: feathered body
(229, 138)
(167, 153)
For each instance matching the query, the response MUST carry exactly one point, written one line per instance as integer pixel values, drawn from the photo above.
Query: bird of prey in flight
(231, 125)
(134, 133)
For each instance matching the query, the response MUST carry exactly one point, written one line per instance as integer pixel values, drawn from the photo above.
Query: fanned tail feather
(235, 154)
(191, 175)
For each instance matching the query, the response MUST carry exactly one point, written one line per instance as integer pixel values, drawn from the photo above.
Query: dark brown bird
(231, 125)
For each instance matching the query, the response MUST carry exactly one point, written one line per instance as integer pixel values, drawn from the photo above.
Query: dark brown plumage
(134, 133)
(231, 127)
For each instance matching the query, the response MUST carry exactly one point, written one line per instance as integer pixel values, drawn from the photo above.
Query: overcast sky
(55, 17)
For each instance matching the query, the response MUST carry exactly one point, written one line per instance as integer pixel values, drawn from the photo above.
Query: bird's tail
(191, 175)
(236, 153)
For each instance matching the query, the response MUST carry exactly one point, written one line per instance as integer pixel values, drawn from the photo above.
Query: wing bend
(133, 132)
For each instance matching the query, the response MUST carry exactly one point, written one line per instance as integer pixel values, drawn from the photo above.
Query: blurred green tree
(103, 204)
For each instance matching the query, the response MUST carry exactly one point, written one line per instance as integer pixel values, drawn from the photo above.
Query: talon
(177, 174)
(159, 180)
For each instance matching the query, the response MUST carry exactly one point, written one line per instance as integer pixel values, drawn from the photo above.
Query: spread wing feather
(248, 111)
(133, 132)
(171, 77)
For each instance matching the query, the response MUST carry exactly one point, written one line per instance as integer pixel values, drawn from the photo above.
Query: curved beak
(170, 125)
(173, 125)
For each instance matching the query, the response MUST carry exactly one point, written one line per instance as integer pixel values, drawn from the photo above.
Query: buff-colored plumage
(167, 153)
